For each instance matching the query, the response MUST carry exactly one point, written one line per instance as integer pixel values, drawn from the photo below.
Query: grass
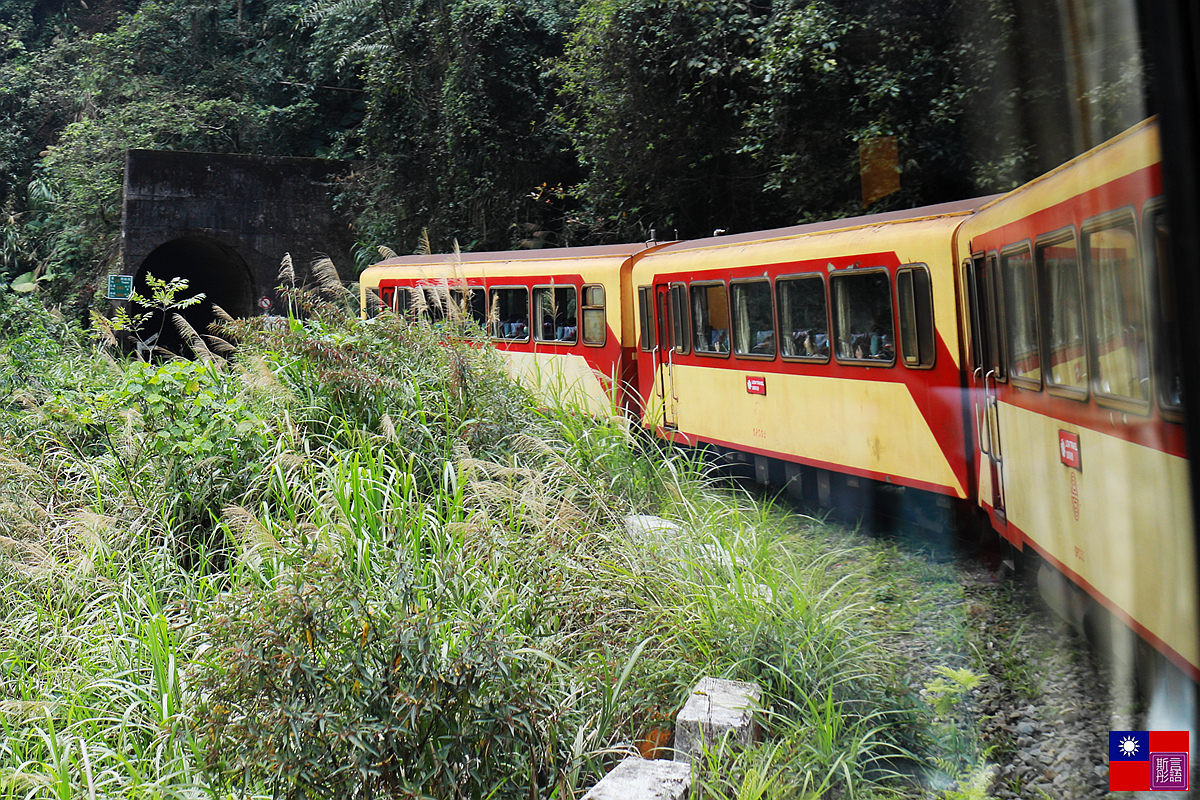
(358, 560)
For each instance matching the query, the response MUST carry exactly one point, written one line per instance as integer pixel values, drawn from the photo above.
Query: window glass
(646, 313)
(385, 295)
(862, 316)
(432, 302)
(474, 306)
(1170, 362)
(595, 324)
(1020, 306)
(753, 319)
(664, 323)
(710, 318)
(914, 302)
(554, 309)
(401, 301)
(679, 327)
(1068, 365)
(803, 319)
(510, 314)
(1118, 318)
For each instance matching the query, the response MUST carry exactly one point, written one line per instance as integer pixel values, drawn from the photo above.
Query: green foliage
(171, 74)
(131, 326)
(835, 74)
(334, 684)
(654, 94)
(358, 560)
(522, 123)
(971, 782)
(948, 688)
(457, 128)
(960, 758)
(34, 342)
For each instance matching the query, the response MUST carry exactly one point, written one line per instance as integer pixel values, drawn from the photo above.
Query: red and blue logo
(1147, 761)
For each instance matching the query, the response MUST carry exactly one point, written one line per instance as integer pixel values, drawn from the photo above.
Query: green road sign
(120, 287)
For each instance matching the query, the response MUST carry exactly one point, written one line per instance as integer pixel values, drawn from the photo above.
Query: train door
(982, 285)
(664, 362)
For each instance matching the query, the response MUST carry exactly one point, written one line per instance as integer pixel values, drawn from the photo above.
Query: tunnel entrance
(209, 267)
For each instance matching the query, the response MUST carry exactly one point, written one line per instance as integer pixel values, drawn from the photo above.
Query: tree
(457, 128)
(835, 75)
(654, 94)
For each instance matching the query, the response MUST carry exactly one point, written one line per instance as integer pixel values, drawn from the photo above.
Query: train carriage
(1016, 354)
(1073, 366)
(829, 349)
(561, 316)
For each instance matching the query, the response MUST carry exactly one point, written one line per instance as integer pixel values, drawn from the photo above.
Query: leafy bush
(322, 689)
(424, 586)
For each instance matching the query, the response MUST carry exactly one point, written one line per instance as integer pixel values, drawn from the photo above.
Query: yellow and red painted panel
(1098, 486)
(591, 375)
(889, 423)
(1112, 514)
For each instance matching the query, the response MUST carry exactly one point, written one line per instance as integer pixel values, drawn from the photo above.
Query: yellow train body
(1083, 459)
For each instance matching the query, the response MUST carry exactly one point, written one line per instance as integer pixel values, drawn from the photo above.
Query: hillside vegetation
(522, 123)
(358, 561)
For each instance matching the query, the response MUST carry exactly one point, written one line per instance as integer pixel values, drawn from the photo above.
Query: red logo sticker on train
(756, 384)
(1068, 450)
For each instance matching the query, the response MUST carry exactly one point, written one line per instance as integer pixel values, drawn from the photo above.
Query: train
(1013, 359)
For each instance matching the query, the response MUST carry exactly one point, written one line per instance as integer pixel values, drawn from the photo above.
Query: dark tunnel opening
(209, 267)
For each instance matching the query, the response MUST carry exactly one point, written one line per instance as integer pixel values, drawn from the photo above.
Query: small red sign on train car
(756, 384)
(1068, 450)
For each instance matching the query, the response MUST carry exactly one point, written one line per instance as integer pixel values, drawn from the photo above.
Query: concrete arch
(209, 266)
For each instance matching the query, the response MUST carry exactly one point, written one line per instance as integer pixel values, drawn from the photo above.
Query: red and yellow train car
(1016, 354)
(1073, 363)
(830, 347)
(562, 316)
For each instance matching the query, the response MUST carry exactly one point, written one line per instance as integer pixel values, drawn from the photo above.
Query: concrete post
(637, 778)
(718, 711)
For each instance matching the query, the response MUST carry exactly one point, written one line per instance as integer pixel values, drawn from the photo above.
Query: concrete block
(718, 712)
(637, 778)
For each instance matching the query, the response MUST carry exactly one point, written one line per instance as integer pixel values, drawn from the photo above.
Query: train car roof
(522, 256)
(956, 208)
(1129, 156)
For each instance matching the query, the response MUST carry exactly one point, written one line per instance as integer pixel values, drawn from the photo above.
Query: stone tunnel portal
(209, 267)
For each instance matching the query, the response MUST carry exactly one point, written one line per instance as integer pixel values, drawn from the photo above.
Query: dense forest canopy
(519, 123)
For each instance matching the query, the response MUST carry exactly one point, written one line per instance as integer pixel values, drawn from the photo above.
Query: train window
(376, 299)
(862, 316)
(401, 301)
(1058, 263)
(554, 314)
(1021, 311)
(710, 318)
(679, 326)
(1116, 306)
(803, 317)
(432, 302)
(1169, 364)
(914, 301)
(646, 315)
(474, 307)
(509, 313)
(595, 324)
(753, 318)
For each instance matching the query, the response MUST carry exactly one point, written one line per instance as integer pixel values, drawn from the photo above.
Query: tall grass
(359, 560)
